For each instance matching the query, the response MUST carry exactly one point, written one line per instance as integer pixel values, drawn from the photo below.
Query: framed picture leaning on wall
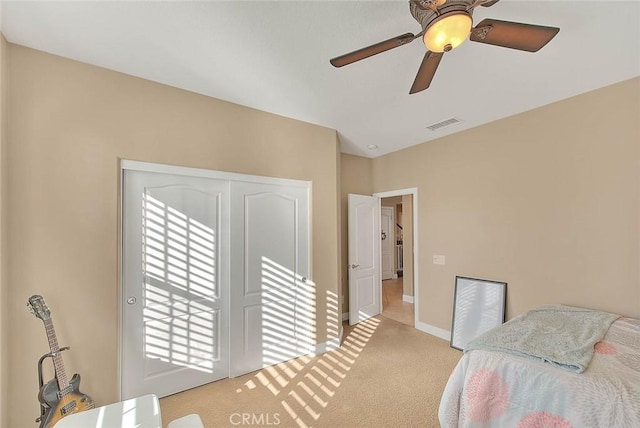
(478, 306)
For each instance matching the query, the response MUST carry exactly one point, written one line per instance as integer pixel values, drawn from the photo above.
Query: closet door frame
(126, 164)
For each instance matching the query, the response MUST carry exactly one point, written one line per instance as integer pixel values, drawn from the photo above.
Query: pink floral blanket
(495, 389)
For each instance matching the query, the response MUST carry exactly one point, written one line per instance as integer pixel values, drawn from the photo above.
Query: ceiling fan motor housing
(426, 16)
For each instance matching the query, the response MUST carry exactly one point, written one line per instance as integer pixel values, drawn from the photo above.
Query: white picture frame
(478, 306)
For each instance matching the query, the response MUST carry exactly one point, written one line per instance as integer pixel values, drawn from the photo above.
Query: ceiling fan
(445, 25)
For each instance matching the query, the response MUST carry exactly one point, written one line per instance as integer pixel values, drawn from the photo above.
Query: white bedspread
(496, 389)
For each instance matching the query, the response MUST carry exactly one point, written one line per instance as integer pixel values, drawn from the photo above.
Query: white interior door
(273, 300)
(388, 244)
(364, 258)
(175, 283)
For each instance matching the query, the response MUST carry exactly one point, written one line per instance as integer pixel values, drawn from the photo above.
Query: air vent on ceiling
(444, 123)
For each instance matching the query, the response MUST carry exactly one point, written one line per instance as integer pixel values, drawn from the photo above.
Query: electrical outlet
(438, 260)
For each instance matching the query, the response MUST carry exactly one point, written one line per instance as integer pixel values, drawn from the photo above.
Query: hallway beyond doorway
(393, 306)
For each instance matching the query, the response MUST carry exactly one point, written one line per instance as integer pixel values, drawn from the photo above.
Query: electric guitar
(59, 397)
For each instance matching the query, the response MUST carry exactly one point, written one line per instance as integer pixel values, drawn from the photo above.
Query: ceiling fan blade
(426, 71)
(514, 35)
(372, 50)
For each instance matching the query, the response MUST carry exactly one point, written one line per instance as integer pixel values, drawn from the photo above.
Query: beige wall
(547, 200)
(4, 325)
(355, 177)
(391, 201)
(70, 123)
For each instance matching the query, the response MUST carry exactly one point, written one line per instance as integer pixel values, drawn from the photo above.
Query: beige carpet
(386, 374)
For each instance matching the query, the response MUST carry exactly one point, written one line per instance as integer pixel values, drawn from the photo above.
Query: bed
(554, 366)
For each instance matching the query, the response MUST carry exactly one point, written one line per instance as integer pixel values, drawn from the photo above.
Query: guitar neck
(61, 374)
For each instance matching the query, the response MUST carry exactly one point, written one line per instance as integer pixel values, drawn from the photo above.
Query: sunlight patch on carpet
(318, 378)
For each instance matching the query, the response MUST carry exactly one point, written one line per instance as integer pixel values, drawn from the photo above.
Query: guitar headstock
(38, 307)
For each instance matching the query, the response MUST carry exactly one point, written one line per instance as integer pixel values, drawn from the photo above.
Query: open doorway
(398, 240)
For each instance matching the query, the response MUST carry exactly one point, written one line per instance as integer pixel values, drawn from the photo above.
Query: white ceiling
(274, 56)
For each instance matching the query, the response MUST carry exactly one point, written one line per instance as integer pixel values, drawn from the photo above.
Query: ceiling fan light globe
(448, 32)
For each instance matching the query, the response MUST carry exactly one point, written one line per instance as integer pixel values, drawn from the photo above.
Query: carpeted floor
(386, 374)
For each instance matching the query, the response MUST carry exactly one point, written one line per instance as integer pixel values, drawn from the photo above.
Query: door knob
(354, 266)
(131, 300)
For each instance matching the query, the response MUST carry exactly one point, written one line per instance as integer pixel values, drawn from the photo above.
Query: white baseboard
(407, 298)
(424, 327)
(330, 345)
(434, 331)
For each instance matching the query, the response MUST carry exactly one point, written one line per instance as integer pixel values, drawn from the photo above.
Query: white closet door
(273, 301)
(175, 283)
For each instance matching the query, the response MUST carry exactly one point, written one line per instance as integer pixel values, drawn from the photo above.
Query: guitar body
(73, 401)
(58, 397)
